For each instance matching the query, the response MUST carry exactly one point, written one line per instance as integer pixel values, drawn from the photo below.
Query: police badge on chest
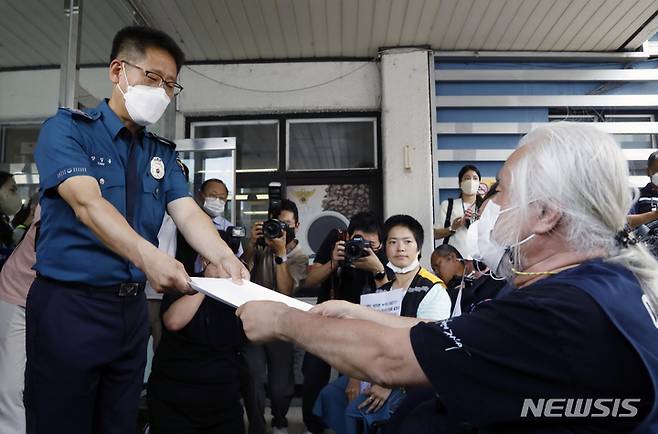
(157, 168)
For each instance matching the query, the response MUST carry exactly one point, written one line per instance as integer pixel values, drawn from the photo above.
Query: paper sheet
(235, 295)
(384, 301)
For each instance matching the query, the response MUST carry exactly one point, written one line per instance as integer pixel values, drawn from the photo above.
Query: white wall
(34, 95)
(355, 87)
(406, 121)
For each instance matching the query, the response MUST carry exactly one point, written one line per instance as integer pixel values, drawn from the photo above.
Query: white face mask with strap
(403, 270)
(145, 104)
(488, 250)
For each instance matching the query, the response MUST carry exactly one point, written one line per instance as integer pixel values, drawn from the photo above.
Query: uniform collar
(112, 122)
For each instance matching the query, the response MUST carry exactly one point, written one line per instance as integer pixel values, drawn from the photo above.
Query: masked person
(457, 214)
(576, 335)
(280, 264)
(10, 204)
(105, 184)
(349, 412)
(341, 280)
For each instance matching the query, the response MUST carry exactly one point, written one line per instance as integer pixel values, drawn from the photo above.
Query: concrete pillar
(71, 60)
(406, 138)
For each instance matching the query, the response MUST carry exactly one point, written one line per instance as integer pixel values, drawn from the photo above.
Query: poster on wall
(326, 207)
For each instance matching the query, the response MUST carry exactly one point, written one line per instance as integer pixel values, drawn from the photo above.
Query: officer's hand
(260, 319)
(166, 273)
(256, 232)
(338, 253)
(228, 266)
(369, 263)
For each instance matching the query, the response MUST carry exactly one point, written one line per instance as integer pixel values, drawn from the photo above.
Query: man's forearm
(385, 319)
(114, 231)
(284, 281)
(635, 220)
(441, 233)
(360, 349)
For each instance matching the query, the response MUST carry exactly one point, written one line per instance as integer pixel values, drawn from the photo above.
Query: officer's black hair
(408, 222)
(366, 222)
(285, 205)
(446, 249)
(208, 181)
(137, 39)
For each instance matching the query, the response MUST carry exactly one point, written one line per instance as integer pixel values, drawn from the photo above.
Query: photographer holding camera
(345, 268)
(276, 261)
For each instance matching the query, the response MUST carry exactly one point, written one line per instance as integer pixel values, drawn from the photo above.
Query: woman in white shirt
(456, 214)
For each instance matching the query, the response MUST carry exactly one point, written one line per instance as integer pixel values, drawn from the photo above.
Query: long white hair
(581, 172)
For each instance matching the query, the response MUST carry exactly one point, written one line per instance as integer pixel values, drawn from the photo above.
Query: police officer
(105, 183)
(645, 209)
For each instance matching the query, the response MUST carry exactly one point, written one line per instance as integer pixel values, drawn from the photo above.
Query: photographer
(645, 209)
(341, 281)
(276, 261)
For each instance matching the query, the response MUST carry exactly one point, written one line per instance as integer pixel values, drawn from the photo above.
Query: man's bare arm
(635, 220)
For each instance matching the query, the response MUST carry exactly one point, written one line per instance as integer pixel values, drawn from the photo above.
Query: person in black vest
(194, 383)
(424, 297)
(572, 347)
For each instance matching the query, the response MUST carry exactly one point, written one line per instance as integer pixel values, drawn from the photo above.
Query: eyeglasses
(156, 80)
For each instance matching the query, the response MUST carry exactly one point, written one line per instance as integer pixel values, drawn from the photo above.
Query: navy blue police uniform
(87, 328)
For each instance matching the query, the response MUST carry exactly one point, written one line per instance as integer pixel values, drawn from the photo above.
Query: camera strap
(447, 223)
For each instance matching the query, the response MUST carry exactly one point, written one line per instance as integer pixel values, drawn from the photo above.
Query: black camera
(356, 248)
(232, 236)
(274, 228)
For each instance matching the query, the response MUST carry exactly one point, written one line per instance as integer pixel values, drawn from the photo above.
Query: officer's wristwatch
(280, 259)
(379, 275)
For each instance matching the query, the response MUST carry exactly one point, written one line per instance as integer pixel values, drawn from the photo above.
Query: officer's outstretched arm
(200, 232)
(84, 196)
(360, 349)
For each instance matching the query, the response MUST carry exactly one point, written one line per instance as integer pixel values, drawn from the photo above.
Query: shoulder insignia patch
(90, 115)
(162, 140)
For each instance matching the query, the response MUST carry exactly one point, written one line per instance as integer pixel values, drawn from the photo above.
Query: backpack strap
(447, 223)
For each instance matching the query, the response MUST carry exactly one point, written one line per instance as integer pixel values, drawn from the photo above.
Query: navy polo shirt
(96, 143)
(550, 339)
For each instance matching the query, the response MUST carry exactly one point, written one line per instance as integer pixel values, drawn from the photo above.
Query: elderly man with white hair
(571, 346)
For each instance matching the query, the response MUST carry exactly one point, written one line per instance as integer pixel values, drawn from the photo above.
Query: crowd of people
(541, 303)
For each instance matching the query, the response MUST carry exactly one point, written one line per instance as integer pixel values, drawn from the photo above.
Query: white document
(236, 295)
(385, 301)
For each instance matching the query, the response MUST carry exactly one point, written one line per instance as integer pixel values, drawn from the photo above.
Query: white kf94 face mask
(145, 104)
(214, 206)
(488, 250)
